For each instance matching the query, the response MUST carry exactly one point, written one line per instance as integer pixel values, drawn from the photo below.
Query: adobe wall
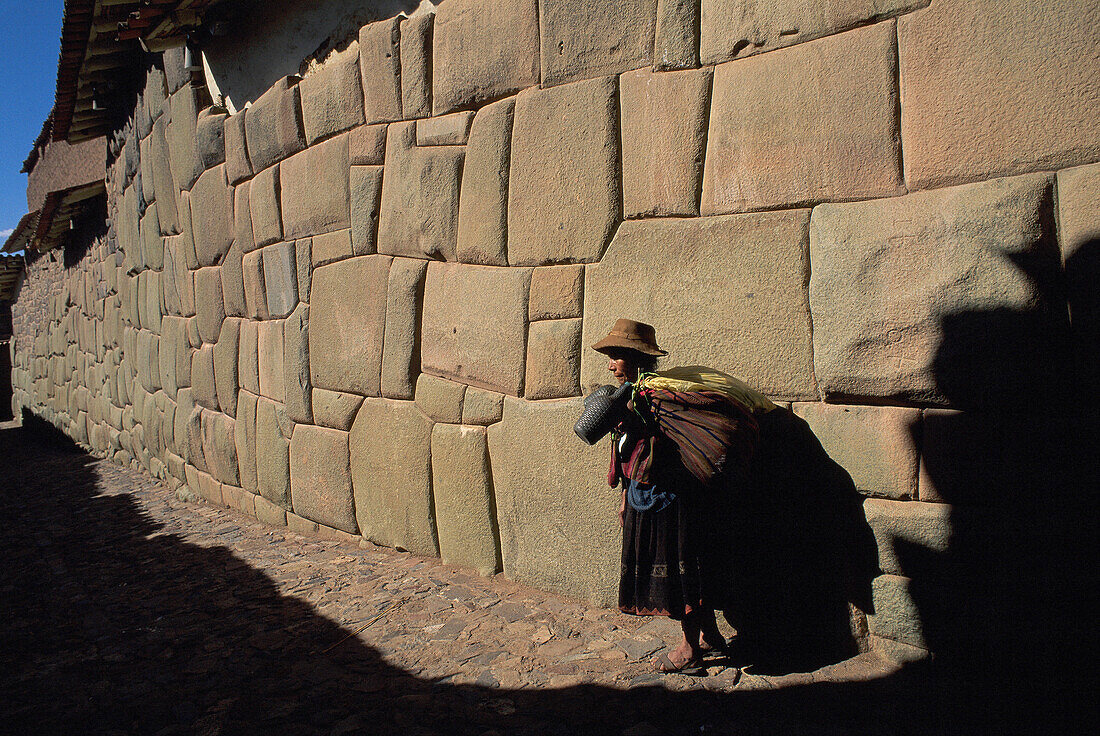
(361, 305)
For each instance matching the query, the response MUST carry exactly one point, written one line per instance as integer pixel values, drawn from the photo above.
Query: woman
(663, 512)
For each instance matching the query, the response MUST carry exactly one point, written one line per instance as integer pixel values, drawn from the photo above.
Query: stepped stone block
(263, 200)
(211, 216)
(563, 201)
(877, 445)
(556, 292)
(210, 136)
(560, 488)
(347, 324)
(896, 616)
(272, 455)
(332, 97)
(463, 490)
(210, 306)
(226, 362)
(219, 447)
(181, 135)
(416, 66)
(273, 125)
(320, 477)
(330, 247)
(401, 351)
(255, 291)
(483, 52)
(243, 235)
(392, 475)
(314, 196)
(367, 145)
(248, 366)
(419, 212)
(553, 359)
(280, 279)
(756, 291)
(993, 88)
(445, 130)
(735, 28)
(440, 399)
(581, 40)
(232, 273)
(811, 123)
(296, 365)
(245, 438)
(474, 325)
(366, 200)
(922, 529)
(238, 167)
(893, 280)
(482, 407)
(483, 200)
(269, 337)
(380, 63)
(204, 390)
(664, 120)
(675, 45)
(303, 262)
(335, 409)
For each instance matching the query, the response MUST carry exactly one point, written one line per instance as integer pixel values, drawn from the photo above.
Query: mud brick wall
(360, 305)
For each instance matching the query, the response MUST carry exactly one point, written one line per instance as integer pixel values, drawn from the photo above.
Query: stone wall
(359, 306)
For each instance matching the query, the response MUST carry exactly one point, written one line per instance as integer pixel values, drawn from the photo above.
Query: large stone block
(164, 185)
(908, 533)
(332, 97)
(209, 305)
(474, 324)
(226, 362)
(380, 63)
(273, 124)
(335, 409)
(877, 445)
(675, 42)
(204, 389)
(187, 235)
(736, 28)
(416, 66)
(269, 513)
(270, 342)
(580, 39)
(212, 216)
(243, 236)
(483, 200)
(314, 196)
(440, 399)
(811, 123)
(303, 262)
(255, 291)
(921, 297)
(182, 148)
(320, 477)
(347, 324)
(557, 292)
(483, 52)
(564, 200)
(296, 383)
(248, 366)
(238, 167)
(419, 214)
(272, 454)
(558, 519)
(553, 359)
(232, 273)
(245, 438)
(330, 247)
(280, 279)
(367, 145)
(896, 615)
(391, 475)
(401, 339)
(463, 489)
(995, 87)
(210, 136)
(482, 407)
(366, 201)
(263, 201)
(664, 121)
(445, 130)
(756, 291)
(219, 447)
(1079, 233)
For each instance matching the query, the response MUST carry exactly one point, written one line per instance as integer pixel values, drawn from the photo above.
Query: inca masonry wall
(360, 306)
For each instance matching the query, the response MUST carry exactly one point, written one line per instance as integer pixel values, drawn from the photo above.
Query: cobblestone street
(127, 610)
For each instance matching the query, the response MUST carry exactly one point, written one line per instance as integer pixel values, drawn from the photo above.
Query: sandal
(693, 667)
(722, 650)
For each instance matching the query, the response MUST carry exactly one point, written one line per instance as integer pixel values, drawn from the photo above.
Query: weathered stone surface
(391, 475)
(335, 409)
(183, 153)
(314, 195)
(367, 145)
(211, 216)
(896, 615)
(556, 292)
(255, 291)
(563, 200)
(296, 365)
(992, 88)
(892, 283)
(675, 44)
(482, 407)
(445, 130)
(280, 279)
(169, 345)
(483, 52)
(164, 185)
(320, 477)
(300, 524)
(553, 359)
(416, 66)
(270, 342)
(226, 363)
(204, 390)
(243, 236)
(269, 513)
(187, 237)
(210, 489)
(245, 439)
(756, 292)
(238, 167)
(664, 120)
(273, 126)
(560, 489)
(877, 445)
(366, 201)
(440, 399)
(735, 28)
(906, 533)
(483, 201)
(248, 366)
(332, 97)
(812, 123)
(380, 63)
(580, 40)
(152, 310)
(348, 323)
(232, 273)
(219, 446)
(474, 325)
(183, 355)
(263, 200)
(330, 247)
(1079, 233)
(419, 216)
(210, 136)
(210, 306)
(462, 488)
(895, 651)
(272, 455)
(237, 498)
(401, 351)
(303, 262)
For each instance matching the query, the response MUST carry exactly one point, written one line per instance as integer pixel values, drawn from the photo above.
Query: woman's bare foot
(681, 659)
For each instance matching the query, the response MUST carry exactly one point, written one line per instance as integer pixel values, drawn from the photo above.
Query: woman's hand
(622, 509)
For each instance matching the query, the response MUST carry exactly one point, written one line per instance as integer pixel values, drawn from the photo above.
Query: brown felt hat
(633, 335)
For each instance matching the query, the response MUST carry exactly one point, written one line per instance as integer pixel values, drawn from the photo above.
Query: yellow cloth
(701, 378)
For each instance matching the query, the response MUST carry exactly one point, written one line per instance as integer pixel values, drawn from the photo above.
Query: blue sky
(29, 55)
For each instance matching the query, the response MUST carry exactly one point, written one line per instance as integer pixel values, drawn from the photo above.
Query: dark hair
(646, 363)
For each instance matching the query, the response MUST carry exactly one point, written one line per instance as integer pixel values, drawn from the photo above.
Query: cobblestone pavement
(127, 610)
